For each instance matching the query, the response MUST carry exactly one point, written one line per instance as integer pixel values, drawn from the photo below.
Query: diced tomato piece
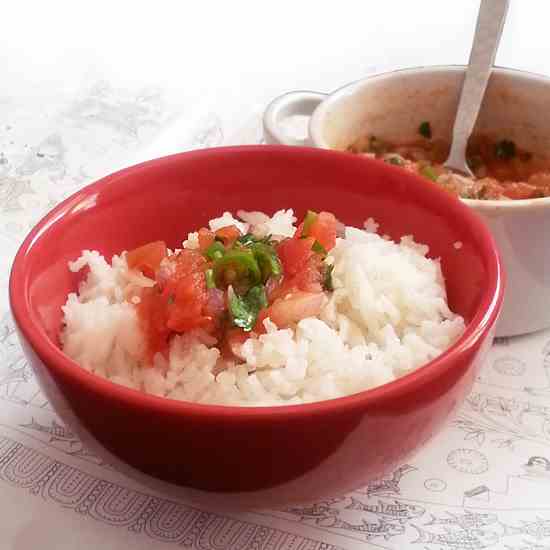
(185, 309)
(259, 326)
(307, 280)
(228, 234)
(147, 258)
(323, 230)
(187, 262)
(293, 308)
(206, 238)
(294, 254)
(519, 190)
(152, 315)
(301, 268)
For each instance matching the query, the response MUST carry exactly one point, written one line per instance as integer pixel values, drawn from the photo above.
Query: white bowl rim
(502, 206)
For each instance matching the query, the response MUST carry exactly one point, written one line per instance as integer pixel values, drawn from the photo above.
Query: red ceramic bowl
(299, 452)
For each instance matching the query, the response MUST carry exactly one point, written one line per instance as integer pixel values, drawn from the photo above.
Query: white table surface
(89, 87)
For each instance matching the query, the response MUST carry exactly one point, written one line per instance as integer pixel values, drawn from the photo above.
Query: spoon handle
(490, 22)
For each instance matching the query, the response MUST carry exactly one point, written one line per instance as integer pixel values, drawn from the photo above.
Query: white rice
(387, 316)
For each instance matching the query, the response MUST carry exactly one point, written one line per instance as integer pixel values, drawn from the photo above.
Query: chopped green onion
(309, 220)
(263, 252)
(395, 160)
(244, 309)
(246, 240)
(249, 239)
(215, 251)
(318, 248)
(171, 299)
(268, 260)
(505, 149)
(210, 282)
(327, 278)
(237, 264)
(425, 130)
(428, 172)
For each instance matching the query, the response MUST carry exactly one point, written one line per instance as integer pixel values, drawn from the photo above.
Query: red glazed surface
(319, 449)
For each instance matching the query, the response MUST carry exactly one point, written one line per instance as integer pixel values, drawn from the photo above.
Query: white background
(224, 52)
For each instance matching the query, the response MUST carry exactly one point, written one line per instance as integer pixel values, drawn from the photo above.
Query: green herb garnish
(425, 130)
(244, 309)
(210, 281)
(327, 278)
(215, 251)
(428, 172)
(318, 248)
(505, 149)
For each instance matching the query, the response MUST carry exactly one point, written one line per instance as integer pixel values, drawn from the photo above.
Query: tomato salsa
(502, 170)
(233, 281)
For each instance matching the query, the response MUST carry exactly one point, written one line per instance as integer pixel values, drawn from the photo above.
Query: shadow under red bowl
(322, 448)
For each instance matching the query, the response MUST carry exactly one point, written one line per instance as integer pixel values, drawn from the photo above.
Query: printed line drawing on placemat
(367, 530)
(389, 510)
(509, 366)
(443, 527)
(388, 484)
(435, 485)
(539, 529)
(396, 510)
(543, 392)
(61, 438)
(17, 382)
(473, 530)
(472, 539)
(512, 419)
(535, 478)
(159, 519)
(526, 545)
(11, 190)
(353, 516)
(468, 520)
(468, 461)
(315, 511)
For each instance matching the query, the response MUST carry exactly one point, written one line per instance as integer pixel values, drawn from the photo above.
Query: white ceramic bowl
(392, 105)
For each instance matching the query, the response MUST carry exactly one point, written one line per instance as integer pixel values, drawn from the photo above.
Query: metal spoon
(490, 22)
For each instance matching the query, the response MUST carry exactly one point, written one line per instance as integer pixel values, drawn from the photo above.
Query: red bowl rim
(54, 359)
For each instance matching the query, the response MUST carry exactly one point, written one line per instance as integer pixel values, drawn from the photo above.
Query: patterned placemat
(483, 483)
